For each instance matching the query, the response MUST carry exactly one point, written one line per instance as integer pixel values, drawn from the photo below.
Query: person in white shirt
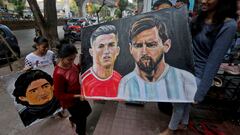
(41, 58)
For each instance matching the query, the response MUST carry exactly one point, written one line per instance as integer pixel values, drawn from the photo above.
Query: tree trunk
(99, 10)
(47, 24)
(39, 19)
(80, 4)
(50, 15)
(139, 6)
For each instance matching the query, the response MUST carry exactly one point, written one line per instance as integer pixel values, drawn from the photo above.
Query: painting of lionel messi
(34, 91)
(155, 58)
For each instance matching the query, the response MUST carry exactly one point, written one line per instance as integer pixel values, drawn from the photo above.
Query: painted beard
(147, 64)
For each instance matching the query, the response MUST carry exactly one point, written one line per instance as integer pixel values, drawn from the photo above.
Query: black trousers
(79, 112)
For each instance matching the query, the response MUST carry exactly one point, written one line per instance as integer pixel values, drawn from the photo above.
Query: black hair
(25, 79)
(148, 23)
(224, 9)
(65, 50)
(104, 29)
(160, 2)
(39, 40)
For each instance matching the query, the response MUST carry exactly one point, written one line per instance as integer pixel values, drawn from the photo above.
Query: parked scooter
(72, 36)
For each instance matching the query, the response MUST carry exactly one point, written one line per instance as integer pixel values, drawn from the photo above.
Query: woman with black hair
(213, 32)
(67, 87)
(41, 58)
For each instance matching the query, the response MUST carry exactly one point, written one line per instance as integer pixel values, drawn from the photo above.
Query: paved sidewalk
(120, 119)
(11, 123)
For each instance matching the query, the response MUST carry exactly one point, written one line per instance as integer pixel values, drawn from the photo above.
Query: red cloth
(94, 86)
(66, 84)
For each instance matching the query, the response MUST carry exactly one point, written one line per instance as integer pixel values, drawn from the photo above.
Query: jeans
(180, 113)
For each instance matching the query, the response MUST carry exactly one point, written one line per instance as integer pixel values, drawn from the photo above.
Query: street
(25, 39)
(8, 111)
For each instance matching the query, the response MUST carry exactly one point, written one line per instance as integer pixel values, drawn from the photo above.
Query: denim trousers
(180, 113)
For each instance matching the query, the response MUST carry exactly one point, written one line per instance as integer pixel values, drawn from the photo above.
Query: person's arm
(54, 59)
(59, 88)
(222, 43)
(28, 64)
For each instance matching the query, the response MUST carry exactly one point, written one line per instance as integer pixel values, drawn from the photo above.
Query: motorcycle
(73, 33)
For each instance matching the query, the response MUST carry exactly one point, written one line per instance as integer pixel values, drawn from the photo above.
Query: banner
(147, 57)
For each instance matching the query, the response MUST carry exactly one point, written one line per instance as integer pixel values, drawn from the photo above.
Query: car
(11, 39)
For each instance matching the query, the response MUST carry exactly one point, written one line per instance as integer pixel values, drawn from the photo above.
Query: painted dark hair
(25, 79)
(65, 50)
(224, 9)
(148, 23)
(104, 29)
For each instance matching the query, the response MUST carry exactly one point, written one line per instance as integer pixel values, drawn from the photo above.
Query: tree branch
(103, 4)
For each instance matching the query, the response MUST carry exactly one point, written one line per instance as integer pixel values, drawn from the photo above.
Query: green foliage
(109, 18)
(105, 11)
(19, 6)
(122, 4)
(1, 2)
(95, 8)
(118, 13)
(73, 6)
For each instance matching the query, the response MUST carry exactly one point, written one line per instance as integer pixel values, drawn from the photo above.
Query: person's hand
(82, 98)
(26, 68)
(238, 12)
(77, 96)
(195, 102)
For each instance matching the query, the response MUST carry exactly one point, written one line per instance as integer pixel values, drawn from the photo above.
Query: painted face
(209, 5)
(69, 60)
(147, 49)
(43, 48)
(105, 50)
(162, 6)
(38, 92)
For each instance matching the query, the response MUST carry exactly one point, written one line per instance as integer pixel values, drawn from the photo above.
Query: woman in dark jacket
(213, 32)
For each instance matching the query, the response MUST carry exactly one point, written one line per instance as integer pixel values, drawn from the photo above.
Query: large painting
(147, 57)
(32, 94)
